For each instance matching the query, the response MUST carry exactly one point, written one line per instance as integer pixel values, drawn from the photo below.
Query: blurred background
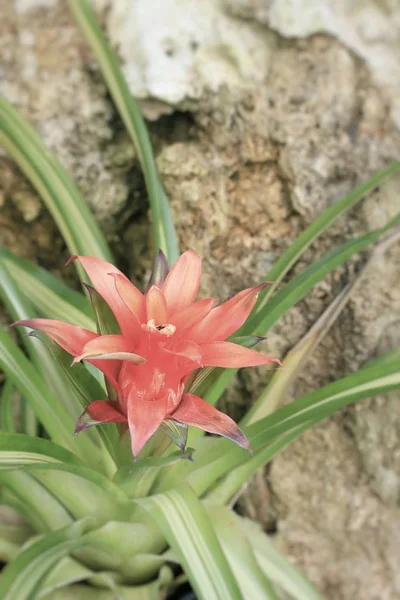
(262, 113)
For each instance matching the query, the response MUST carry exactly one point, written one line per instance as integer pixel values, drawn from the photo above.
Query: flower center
(167, 329)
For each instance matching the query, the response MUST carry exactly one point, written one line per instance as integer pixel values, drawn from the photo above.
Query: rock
(369, 28)
(173, 59)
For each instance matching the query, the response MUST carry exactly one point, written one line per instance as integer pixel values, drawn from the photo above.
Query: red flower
(165, 335)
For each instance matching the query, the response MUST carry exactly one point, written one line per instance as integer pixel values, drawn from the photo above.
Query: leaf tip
(71, 259)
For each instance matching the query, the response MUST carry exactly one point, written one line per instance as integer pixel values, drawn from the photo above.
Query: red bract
(165, 335)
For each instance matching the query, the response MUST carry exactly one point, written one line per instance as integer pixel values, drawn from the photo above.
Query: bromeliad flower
(162, 338)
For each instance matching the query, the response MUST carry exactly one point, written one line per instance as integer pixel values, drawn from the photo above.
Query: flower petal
(73, 339)
(228, 355)
(226, 318)
(109, 347)
(144, 418)
(70, 337)
(131, 296)
(159, 271)
(195, 411)
(186, 349)
(192, 314)
(182, 282)
(98, 271)
(156, 306)
(185, 356)
(99, 411)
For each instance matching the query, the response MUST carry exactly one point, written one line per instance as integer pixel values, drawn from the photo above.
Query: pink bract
(165, 335)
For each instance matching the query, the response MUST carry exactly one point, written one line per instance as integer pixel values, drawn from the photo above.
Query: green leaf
(231, 467)
(137, 479)
(150, 591)
(208, 465)
(83, 388)
(177, 432)
(62, 198)
(106, 322)
(83, 491)
(312, 233)
(20, 308)
(28, 420)
(6, 407)
(275, 566)
(283, 379)
(22, 578)
(39, 508)
(187, 527)
(163, 228)
(238, 469)
(65, 572)
(49, 411)
(18, 450)
(300, 285)
(235, 543)
(325, 401)
(133, 550)
(8, 551)
(49, 295)
(384, 359)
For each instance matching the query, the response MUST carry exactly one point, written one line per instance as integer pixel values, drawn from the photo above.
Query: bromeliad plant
(96, 522)
(150, 346)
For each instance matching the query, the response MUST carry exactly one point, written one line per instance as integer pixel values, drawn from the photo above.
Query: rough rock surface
(271, 119)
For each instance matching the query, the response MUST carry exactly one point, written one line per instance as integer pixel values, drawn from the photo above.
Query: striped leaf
(49, 295)
(22, 578)
(163, 228)
(62, 198)
(188, 529)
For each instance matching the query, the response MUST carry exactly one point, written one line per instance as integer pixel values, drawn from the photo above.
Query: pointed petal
(159, 271)
(70, 337)
(98, 271)
(248, 341)
(192, 314)
(126, 356)
(99, 411)
(131, 296)
(187, 355)
(228, 355)
(197, 412)
(156, 306)
(73, 339)
(144, 418)
(226, 318)
(182, 282)
(109, 347)
(187, 349)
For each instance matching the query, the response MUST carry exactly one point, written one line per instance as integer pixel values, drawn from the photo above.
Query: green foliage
(51, 180)
(164, 235)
